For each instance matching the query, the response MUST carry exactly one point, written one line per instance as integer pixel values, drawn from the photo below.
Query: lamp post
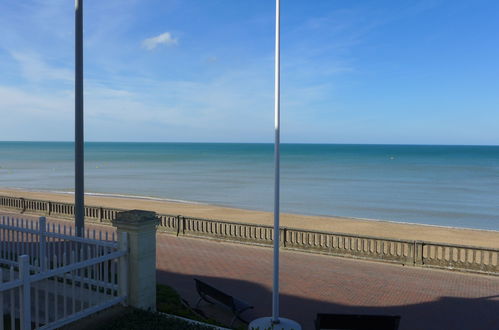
(79, 175)
(276, 322)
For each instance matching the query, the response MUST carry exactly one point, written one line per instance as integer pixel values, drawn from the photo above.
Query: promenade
(426, 299)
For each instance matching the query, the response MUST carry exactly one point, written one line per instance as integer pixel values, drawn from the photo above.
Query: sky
(403, 72)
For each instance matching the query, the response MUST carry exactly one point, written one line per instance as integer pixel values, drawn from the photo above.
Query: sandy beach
(336, 224)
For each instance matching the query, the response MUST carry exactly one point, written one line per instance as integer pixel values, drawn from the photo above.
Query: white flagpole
(275, 322)
(277, 122)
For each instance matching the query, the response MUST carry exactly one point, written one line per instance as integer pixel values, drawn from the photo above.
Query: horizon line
(225, 142)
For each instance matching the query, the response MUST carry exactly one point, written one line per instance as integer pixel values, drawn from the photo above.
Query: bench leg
(233, 319)
(205, 299)
(238, 316)
(197, 302)
(241, 319)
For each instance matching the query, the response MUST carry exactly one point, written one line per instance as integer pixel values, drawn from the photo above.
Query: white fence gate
(49, 277)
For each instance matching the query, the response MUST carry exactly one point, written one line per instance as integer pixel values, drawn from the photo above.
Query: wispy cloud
(165, 38)
(34, 68)
(32, 101)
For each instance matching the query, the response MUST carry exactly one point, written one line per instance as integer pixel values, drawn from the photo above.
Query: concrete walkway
(426, 299)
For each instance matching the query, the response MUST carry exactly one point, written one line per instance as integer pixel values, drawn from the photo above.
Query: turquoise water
(440, 185)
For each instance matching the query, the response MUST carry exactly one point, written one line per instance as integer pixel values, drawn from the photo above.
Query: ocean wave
(151, 198)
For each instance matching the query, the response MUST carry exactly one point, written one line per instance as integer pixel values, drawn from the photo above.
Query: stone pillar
(141, 228)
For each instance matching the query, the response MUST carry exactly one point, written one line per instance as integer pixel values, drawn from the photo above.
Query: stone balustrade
(417, 253)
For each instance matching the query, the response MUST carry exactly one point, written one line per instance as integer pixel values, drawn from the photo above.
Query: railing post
(418, 253)
(25, 313)
(123, 265)
(23, 205)
(183, 226)
(101, 214)
(282, 234)
(42, 230)
(49, 208)
(178, 225)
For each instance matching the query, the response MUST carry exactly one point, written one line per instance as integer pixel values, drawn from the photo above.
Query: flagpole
(275, 322)
(277, 122)
(79, 174)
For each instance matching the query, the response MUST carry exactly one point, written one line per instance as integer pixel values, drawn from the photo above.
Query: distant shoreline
(369, 227)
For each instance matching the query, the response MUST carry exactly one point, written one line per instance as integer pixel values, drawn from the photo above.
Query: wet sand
(377, 228)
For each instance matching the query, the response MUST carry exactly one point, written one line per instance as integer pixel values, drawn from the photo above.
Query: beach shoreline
(367, 227)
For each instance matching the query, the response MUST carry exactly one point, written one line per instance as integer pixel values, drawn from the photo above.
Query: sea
(454, 186)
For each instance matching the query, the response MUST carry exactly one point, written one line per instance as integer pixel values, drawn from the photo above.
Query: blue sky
(352, 71)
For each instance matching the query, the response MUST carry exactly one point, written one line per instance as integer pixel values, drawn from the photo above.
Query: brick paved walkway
(426, 299)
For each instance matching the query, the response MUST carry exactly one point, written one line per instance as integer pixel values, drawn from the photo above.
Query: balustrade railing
(419, 253)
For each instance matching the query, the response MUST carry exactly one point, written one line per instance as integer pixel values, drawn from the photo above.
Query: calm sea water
(440, 185)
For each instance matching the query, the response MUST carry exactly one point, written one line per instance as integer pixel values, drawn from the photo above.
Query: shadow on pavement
(444, 313)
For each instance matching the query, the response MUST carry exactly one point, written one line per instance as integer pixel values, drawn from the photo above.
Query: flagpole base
(265, 323)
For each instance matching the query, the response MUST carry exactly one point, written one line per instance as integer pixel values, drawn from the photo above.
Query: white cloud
(164, 38)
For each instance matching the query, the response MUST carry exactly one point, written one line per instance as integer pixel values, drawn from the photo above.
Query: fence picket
(25, 293)
(12, 300)
(47, 306)
(64, 294)
(1, 301)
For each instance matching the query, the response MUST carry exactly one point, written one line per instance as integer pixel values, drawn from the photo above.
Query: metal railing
(407, 252)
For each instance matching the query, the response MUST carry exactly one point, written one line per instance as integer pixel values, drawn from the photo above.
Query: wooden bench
(208, 293)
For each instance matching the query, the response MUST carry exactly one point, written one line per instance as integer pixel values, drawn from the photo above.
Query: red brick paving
(426, 299)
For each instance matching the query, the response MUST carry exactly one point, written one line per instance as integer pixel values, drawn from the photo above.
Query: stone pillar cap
(136, 217)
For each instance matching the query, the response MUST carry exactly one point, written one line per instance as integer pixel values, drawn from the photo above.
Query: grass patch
(169, 301)
(137, 319)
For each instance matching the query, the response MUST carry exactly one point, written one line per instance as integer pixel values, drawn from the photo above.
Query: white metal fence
(49, 277)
